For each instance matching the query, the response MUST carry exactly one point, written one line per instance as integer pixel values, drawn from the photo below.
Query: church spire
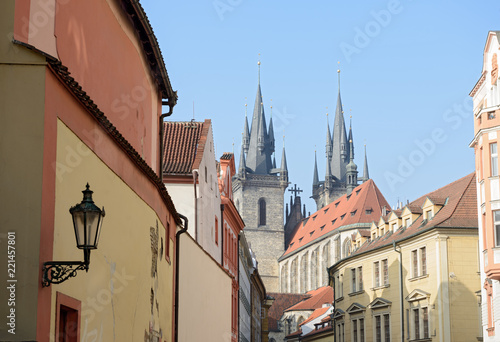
(242, 168)
(315, 172)
(328, 146)
(340, 153)
(366, 175)
(246, 132)
(258, 158)
(284, 166)
(271, 131)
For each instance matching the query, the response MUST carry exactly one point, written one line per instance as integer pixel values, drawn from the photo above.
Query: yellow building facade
(413, 279)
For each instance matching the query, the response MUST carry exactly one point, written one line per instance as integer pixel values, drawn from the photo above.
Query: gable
(355, 308)
(379, 303)
(417, 295)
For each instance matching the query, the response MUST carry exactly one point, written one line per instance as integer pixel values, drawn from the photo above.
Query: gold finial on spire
(245, 107)
(233, 145)
(326, 111)
(258, 63)
(338, 73)
(271, 107)
(283, 137)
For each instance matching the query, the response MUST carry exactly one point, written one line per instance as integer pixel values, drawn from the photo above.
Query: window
(494, 159)
(407, 222)
(420, 323)
(339, 291)
(357, 279)
(419, 262)
(382, 328)
(262, 212)
(206, 174)
(428, 215)
(496, 219)
(358, 330)
(340, 332)
(216, 231)
(394, 227)
(67, 318)
(380, 273)
(376, 270)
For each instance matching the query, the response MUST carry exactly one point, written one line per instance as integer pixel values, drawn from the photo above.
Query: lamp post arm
(56, 272)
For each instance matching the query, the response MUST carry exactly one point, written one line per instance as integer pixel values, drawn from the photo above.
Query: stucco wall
(127, 292)
(204, 297)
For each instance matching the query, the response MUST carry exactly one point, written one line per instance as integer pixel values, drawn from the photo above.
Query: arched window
(347, 248)
(262, 212)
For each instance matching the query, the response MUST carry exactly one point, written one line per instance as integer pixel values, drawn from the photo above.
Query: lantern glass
(79, 225)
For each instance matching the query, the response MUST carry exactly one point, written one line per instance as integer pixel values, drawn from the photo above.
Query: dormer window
(333, 221)
(368, 211)
(325, 211)
(394, 227)
(428, 215)
(353, 212)
(337, 204)
(322, 227)
(314, 217)
(342, 217)
(407, 222)
(348, 196)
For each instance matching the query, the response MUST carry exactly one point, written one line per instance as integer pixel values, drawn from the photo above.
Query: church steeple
(258, 158)
(243, 166)
(284, 167)
(328, 147)
(340, 143)
(352, 168)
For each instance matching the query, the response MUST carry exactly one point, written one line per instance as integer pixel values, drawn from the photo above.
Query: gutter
(163, 116)
(177, 252)
(222, 235)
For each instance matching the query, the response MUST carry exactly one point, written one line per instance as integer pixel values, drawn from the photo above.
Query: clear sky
(407, 68)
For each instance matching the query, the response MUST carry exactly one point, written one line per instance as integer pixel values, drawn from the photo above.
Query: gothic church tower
(341, 171)
(258, 190)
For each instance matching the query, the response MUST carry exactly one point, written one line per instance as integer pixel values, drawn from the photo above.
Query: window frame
(385, 336)
(496, 227)
(262, 210)
(419, 262)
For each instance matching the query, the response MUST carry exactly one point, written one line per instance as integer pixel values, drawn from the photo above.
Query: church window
(262, 212)
(206, 174)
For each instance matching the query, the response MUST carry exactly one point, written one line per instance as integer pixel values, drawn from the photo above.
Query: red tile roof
(348, 209)
(460, 211)
(184, 143)
(316, 299)
(316, 313)
(281, 302)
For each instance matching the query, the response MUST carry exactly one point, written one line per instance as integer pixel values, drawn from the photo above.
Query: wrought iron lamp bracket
(56, 272)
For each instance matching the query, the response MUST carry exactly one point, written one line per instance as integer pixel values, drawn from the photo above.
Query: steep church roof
(363, 205)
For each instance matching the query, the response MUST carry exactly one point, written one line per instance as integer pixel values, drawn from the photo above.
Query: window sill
(422, 339)
(419, 277)
(339, 299)
(380, 287)
(356, 293)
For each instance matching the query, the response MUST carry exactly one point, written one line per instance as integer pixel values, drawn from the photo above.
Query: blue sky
(407, 68)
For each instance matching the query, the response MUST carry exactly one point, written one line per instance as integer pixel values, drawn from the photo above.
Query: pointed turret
(242, 168)
(284, 169)
(351, 171)
(261, 136)
(270, 133)
(329, 146)
(315, 172)
(246, 133)
(366, 175)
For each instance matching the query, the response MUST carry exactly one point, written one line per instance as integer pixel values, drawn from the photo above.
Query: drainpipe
(400, 289)
(195, 178)
(238, 275)
(222, 235)
(332, 281)
(163, 116)
(177, 252)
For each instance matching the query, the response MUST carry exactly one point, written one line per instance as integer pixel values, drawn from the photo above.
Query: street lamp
(87, 222)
